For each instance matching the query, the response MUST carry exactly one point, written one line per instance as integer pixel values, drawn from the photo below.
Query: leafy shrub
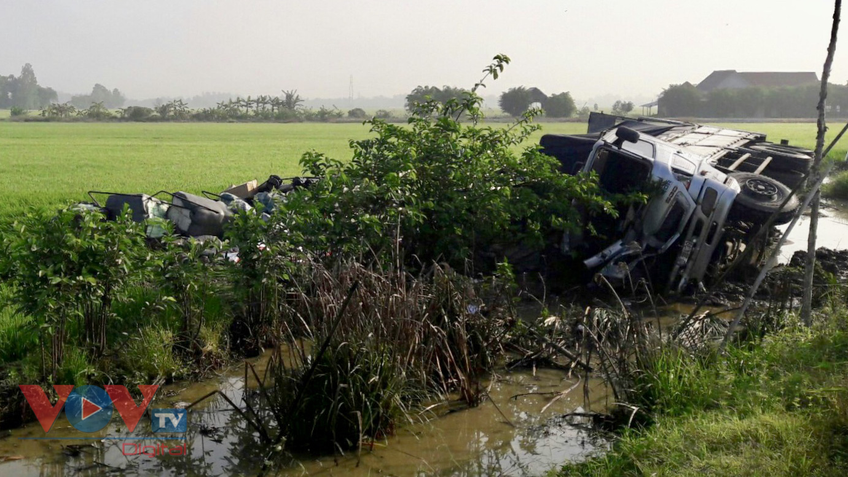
(69, 269)
(137, 113)
(515, 101)
(357, 113)
(259, 279)
(442, 189)
(559, 106)
(383, 114)
(16, 111)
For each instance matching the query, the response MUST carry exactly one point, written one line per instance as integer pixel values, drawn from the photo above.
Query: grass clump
(837, 187)
(150, 356)
(778, 406)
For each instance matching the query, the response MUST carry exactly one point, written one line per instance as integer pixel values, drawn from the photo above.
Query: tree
(292, 100)
(622, 107)
(357, 113)
(6, 85)
(99, 94)
(680, 100)
(515, 101)
(559, 106)
(422, 94)
(26, 95)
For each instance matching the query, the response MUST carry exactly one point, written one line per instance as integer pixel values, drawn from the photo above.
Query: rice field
(49, 164)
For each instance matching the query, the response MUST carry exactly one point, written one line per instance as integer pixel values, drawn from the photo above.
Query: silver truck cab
(686, 214)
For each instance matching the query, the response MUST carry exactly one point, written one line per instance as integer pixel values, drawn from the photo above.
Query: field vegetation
(775, 405)
(48, 165)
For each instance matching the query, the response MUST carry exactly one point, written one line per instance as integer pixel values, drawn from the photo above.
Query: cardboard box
(245, 190)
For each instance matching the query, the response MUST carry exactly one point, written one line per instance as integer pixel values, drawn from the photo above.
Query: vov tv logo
(90, 408)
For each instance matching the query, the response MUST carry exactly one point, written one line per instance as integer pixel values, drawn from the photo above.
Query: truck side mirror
(625, 134)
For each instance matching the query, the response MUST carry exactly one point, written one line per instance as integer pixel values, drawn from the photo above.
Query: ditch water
(524, 435)
(505, 435)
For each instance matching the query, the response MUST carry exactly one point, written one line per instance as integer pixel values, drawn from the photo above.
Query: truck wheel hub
(761, 188)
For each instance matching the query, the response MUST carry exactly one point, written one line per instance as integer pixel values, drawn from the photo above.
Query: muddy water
(506, 435)
(832, 230)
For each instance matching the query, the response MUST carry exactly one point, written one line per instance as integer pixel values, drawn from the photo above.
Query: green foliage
(402, 339)
(837, 187)
(774, 407)
(443, 189)
(149, 355)
(383, 114)
(357, 113)
(16, 111)
(515, 101)
(97, 112)
(356, 391)
(100, 94)
(559, 105)
(65, 271)
(75, 368)
(622, 107)
(679, 101)
(136, 113)
(785, 102)
(23, 93)
(421, 94)
(18, 336)
(56, 110)
(260, 277)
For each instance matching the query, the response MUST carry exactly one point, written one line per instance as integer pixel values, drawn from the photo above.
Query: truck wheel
(761, 197)
(790, 179)
(784, 158)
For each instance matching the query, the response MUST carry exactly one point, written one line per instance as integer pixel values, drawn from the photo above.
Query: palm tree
(292, 100)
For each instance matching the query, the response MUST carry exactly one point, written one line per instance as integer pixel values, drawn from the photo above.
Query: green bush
(559, 106)
(837, 187)
(357, 113)
(16, 111)
(443, 188)
(66, 271)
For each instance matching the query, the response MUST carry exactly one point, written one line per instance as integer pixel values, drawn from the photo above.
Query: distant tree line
(287, 107)
(23, 92)
(685, 100)
(99, 94)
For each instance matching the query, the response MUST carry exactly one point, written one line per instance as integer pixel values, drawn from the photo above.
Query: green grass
(778, 407)
(48, 164)
(837, 187)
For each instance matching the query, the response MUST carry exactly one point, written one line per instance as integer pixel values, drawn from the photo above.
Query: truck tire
(761, 197)
(785, 158)
(790, 179)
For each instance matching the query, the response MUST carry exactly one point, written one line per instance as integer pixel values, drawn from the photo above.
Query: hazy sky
(150, 48)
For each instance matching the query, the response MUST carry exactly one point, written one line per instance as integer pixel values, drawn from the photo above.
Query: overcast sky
(150, 48)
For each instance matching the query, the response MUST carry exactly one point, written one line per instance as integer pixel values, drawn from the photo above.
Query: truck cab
(685, 214)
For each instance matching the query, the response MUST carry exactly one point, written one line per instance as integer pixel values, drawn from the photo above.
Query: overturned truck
(711, 189)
